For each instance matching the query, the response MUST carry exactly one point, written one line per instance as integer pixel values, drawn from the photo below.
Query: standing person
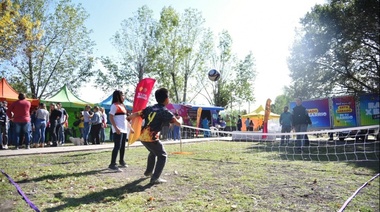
(81, 124)
(251, 125)
(55, 116)
(300, 121)
(104, 125)
(154, 116)
(165, 131)
(61, 124)
(33, 118)
(247, 124)
(4, 125)
(177, 129)
(120, 129)
(21, 119)
(239, 123)
(206, 125)
(286, 124)
(86, 121)
(96, 125)
(42, 117)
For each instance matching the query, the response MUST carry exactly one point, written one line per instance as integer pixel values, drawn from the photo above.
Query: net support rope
(356, 192)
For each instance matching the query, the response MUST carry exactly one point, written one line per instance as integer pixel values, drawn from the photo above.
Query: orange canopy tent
(7, 93)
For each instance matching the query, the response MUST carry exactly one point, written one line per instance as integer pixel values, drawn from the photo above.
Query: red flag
(266, 117)
(143, 90)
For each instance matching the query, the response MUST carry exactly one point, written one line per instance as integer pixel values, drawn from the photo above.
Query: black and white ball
(213, 75)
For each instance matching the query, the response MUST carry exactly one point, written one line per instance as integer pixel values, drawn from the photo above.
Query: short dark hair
(21, 96)
(161, 95)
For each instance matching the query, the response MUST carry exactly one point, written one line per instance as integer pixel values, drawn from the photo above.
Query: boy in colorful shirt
(154, 117)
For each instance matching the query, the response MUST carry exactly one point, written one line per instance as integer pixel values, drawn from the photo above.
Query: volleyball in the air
(213, 75)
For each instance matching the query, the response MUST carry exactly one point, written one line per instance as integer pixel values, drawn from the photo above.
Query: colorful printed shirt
(154, 117)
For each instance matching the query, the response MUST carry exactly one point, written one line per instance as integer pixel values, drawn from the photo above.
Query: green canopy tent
(67, 98)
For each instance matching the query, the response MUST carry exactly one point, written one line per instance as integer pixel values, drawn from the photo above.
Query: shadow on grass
(360, 154)
(107, 195)
(58, 176)
(77, 155)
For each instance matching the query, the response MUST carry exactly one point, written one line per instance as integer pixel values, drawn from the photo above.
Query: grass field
(209, 176)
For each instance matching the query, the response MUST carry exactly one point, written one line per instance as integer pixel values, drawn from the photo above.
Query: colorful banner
(182, 110)
(143, 90)
(199, 112)
(344, 111)
(369, 109)
(266, 117)
(318, 110)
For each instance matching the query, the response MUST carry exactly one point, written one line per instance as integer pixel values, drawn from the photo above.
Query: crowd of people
(24, 126)
(40, 127)
(171, 132)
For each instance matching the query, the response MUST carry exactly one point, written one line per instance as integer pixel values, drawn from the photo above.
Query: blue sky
(266, 28)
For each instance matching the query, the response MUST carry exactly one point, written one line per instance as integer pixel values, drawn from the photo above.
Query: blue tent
(108, 102)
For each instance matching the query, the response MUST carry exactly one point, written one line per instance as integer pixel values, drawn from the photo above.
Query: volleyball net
(348, 144)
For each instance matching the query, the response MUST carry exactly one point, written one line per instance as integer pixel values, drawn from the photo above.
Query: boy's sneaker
(123, 164)
(157, 181)
(114, 168)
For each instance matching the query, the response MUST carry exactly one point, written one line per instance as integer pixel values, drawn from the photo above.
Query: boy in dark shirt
(154, 117)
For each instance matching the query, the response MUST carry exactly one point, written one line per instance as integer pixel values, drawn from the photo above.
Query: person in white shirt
(104, 124)
(120, 128)
(176, 128)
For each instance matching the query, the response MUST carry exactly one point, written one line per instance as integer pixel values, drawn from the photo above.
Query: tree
(245, 78)
(337, 51)
(134, 41)
(169, 52)
(236, 77)
(62, 55)
(15, 28)
(196, 41)
(280, 102)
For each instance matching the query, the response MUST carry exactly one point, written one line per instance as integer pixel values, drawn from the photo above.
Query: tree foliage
(63, 53)
(133, 41)
(15, 28)
(337, 51)
(170, 52)
(237, 77)
(280, 102)
(177, 50)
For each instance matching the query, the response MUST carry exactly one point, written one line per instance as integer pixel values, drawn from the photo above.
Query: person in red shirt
(19, 113)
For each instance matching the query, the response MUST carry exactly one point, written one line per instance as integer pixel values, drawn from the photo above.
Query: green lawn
(212, 176)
